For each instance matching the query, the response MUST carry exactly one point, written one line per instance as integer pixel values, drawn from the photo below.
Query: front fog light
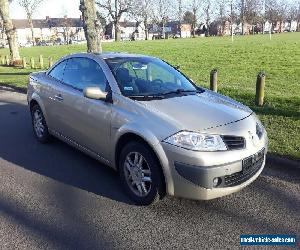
(217, 181)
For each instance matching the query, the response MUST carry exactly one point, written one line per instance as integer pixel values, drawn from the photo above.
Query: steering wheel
(156, 84)
(157, 81)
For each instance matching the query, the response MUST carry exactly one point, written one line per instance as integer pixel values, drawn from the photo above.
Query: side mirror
(95, 93)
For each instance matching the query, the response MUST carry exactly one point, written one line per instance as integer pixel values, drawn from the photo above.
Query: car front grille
(251, 166)
(234, 142)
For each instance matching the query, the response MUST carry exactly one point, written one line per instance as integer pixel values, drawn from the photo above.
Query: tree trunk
(146, 28)
(194, 22)
(31, 29)
(193, 29)
(10, 30)
(117, 31)
(91, 26)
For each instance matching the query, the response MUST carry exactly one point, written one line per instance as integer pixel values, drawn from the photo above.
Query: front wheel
(40, 127)
(140, 174)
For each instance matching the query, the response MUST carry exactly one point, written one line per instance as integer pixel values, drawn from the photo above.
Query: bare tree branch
(30, 7)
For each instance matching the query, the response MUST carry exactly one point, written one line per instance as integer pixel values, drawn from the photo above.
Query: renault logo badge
(254, 138)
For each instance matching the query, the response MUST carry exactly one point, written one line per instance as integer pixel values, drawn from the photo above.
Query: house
(281, 26)
(128, 30)
(290, 26)
(170, 29)
(183, 30)
(49, 29)
(220, 28)
(242, 28)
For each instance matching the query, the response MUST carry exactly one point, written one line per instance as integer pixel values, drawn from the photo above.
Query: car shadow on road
(55, 160)
(62, 163)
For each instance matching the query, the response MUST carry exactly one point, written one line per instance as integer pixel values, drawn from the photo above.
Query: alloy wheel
(137, 174)
(38, 125)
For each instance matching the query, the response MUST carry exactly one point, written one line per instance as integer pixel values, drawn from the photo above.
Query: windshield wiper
(160, 96)
(181, 91)
(145, 97)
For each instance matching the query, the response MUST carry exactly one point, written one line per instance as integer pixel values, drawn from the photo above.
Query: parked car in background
(147, 120)
(41, 43)
(3, 45)
(25, 44)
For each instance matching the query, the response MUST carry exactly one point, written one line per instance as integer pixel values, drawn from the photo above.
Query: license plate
(251, 161)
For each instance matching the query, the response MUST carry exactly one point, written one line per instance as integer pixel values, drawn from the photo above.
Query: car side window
(84, 72)
(58, 71)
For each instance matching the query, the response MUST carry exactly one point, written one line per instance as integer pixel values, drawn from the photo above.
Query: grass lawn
(238, 64)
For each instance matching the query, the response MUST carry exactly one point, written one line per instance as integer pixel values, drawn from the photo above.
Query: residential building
(128, 30)
(170, 29)
(49, 29)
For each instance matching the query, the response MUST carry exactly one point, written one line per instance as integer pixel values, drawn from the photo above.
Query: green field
(238, 64)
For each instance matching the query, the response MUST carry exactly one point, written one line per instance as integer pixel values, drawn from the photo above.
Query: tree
(188, 17)
(196, 4)
(232, 18)
(179, 14)
(251, 12)
(91, 25)
(298, 15)
(142, 10)
(10, 30)
(161, 14)
(207, 12)
(116, 9)
(66, 29)
(101, 19)
(222, 10)
(222, 14)
(30, 7)
(272, 11)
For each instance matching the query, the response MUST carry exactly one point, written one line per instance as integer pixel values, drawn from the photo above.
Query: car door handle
(58, 97)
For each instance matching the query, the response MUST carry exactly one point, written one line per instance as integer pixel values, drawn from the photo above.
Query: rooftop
(48, 23)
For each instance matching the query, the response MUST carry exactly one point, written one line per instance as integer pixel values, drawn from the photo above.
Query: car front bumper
(193, 173)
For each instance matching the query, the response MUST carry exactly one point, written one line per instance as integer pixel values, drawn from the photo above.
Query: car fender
(155, 145)
(38, 99)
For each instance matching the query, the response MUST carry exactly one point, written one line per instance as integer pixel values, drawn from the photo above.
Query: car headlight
(197, 141)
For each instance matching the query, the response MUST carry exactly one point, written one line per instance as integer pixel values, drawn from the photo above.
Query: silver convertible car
(147, 120)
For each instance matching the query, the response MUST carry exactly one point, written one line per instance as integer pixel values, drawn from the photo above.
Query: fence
(23, 63)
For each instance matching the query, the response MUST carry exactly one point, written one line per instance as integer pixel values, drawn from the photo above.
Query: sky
(59, 8)
(52, 8)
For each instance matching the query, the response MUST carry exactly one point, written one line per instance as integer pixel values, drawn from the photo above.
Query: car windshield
(146, 77)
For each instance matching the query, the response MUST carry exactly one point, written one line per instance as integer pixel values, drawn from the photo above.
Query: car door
(85, 121)
(53, 88)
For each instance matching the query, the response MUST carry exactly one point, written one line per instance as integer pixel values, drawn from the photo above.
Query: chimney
(65, 17)
(47, 18)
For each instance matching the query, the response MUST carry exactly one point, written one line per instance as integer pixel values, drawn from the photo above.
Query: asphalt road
(54, 197)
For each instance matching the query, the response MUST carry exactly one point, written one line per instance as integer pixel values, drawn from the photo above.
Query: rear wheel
(40, 127)
(140, 174)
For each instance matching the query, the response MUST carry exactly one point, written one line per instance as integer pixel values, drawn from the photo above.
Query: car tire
(146, 170)
(39, 125)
